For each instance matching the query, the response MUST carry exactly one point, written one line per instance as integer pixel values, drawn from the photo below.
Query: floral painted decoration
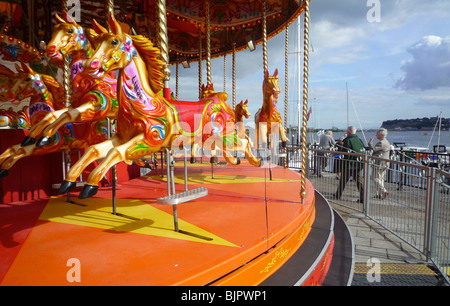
(80, 38)
(127, 47)
(37, 82)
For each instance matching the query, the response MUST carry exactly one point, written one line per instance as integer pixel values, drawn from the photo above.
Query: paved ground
(382, 259)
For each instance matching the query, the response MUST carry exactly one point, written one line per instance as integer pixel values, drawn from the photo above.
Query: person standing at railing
(381, 150)
(338, 157)
(326, 143)
(352, 165)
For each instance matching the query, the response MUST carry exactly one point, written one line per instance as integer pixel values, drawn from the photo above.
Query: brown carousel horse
(267, 118)
(147, 122)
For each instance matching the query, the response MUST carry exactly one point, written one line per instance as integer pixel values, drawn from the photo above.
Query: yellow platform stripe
(405, 269)
(204, 178)
(134, 216)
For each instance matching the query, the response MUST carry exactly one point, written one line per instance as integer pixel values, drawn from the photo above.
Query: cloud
(429, 67)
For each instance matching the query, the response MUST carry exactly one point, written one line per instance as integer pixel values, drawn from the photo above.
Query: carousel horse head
(27, 83)
(242, 110)
(207, 90)
(270, 84)
(5, 76)
(116, 50)
(67, 37)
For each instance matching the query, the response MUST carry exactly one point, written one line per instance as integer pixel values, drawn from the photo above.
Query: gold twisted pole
(233, 71)
(111, 122)
(176, 81)
(110, 7)
(66, 72)
(264, 46)
(200, 63)
(208, 44)
(305, 98)
(225, 73)
(286, 76)
(163, 39)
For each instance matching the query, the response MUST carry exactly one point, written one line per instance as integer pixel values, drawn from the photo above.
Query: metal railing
(407, 198)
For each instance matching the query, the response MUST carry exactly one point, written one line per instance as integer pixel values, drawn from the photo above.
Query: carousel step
(307, 258)
(183, 197)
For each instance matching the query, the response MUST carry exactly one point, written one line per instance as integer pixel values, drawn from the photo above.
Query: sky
(393, 55)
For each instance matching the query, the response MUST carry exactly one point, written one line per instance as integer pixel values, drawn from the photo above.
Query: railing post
(429, 215)
(366, 186)
(432, 213)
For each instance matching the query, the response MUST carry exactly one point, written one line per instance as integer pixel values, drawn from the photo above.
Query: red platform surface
(247, 223)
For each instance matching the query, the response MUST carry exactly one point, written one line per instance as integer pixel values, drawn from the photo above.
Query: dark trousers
(346, 174)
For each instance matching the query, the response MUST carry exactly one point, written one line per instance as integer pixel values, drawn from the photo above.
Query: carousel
(86, 106)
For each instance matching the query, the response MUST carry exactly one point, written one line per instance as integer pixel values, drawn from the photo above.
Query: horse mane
(5, 71)
(150, 56)
(55, 89)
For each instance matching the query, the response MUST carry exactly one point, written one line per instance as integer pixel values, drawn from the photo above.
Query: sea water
(425, 139)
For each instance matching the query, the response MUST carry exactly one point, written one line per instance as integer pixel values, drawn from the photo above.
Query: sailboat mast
(348, 124)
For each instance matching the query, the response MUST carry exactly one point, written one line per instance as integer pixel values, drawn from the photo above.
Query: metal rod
(185, 170)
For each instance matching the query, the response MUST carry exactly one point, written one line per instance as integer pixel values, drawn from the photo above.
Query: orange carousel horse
(243, 140)
(147, 122)
(45, 96)
(18, 118)
(93, 99)
(267, 118)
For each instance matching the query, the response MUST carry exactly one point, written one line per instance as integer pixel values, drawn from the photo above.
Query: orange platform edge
(245, 229)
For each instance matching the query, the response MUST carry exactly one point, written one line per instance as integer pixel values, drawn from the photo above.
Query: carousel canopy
(232, 22)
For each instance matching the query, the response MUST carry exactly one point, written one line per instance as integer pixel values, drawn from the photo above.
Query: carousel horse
(16, 118)
(239, 143)
(45, 96)
(267, 118)
(244, 142)
(93, 99)
(146, 121)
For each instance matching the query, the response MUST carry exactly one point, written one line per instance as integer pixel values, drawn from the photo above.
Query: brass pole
(225, 73)
(200, 64)
(286, 77)
(111, 122)
(110, 7)
(234, 76)
(208, 44)
(163, 39)
(305, 97)
(264, 46)
(66, 72)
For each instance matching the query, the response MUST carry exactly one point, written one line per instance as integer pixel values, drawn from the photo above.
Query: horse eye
(28, 79)
(70, 31)
(115, 42)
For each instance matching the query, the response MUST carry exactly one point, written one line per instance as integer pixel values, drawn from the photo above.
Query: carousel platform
(243, 229)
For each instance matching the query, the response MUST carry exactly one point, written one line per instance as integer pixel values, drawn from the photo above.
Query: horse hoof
(44, 141)
(88, 191)
(193, 160)
(27, 141)
(67, 186)
(238, 161)
(213, 160)
(4, 172)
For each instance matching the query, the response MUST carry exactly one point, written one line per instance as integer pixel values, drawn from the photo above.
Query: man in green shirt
(352, 165)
